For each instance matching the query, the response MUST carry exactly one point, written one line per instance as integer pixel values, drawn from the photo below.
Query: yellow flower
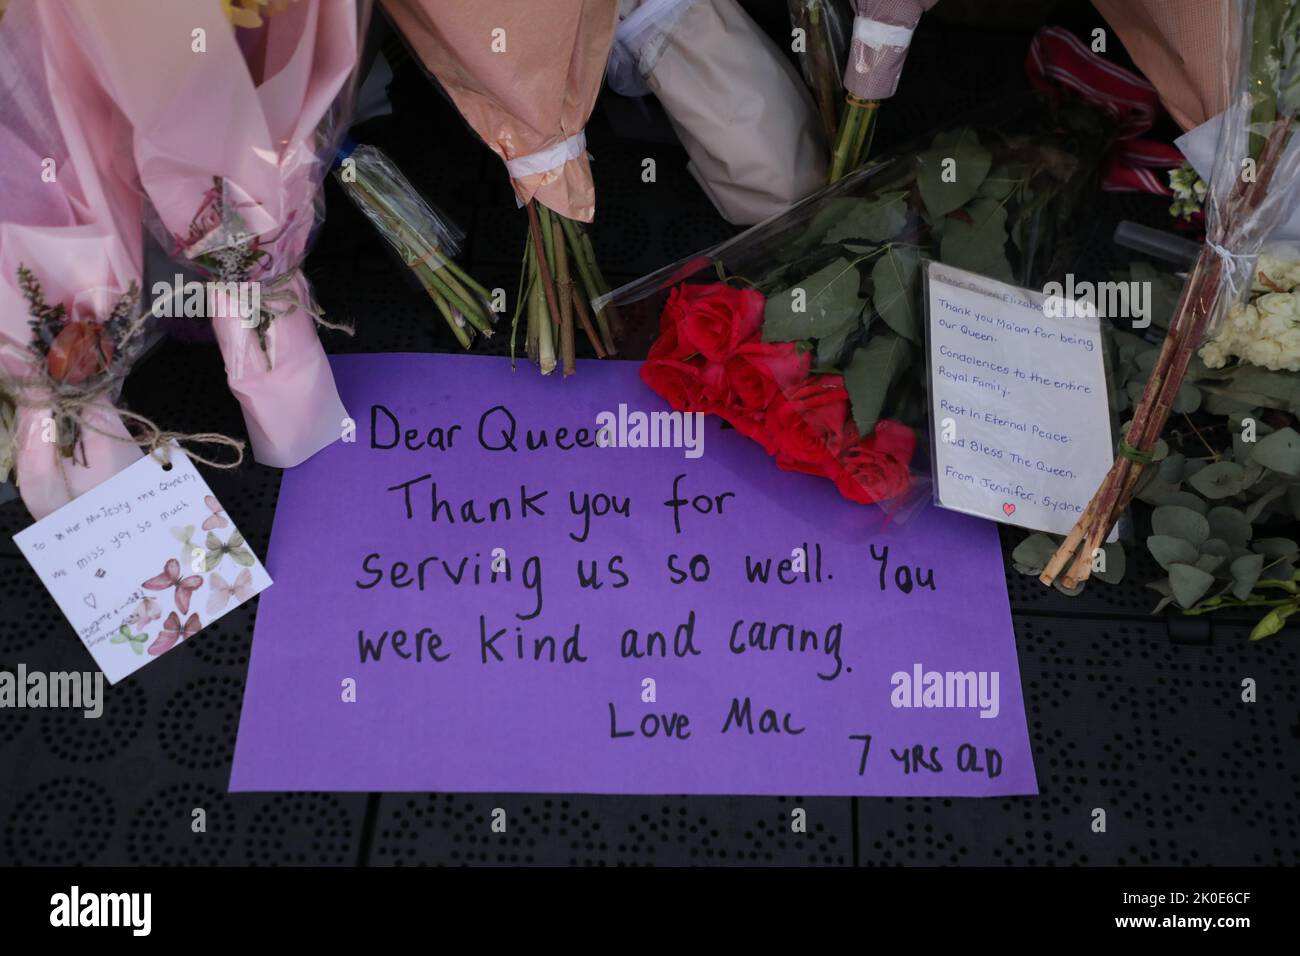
(245, 15)
(248, 13)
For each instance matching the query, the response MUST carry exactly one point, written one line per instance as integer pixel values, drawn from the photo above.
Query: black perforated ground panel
(1122, 718)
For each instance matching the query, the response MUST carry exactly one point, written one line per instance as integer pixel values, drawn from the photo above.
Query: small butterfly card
(142, 562)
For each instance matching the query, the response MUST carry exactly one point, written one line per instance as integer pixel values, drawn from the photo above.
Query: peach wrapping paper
(197, 116)
(535, 95)
(1186, 48)
(80, 235)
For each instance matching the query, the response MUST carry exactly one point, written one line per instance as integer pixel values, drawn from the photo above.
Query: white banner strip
(548, 159)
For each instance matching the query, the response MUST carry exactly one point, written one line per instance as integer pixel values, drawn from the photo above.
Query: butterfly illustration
(216, 519)
(145, 613)
(185, 536)
(234, 547)
(241, 590)
(124, 636)
(171, 578)
(172, 633)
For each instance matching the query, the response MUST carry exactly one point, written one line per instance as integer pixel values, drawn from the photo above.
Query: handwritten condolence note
(482, 593)
(142, 562)
(1018, 402)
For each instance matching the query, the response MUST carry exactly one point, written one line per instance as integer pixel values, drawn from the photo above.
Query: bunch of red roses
(710, 357)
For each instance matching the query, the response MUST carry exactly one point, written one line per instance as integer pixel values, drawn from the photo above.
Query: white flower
(1265, 333)
(1275, 274)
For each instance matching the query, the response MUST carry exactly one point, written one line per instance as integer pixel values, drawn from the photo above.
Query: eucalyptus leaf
(1180, 522)
(1217, 547)
(870, 372)
(1167, 550)
(1188, 399)
(1230, 524)
(1115, 565)
(1222, 479)
(1184, 498)
(1032, 554)
(1189, 584)
(1276, 549)
(1245, 572)
(1279, 452)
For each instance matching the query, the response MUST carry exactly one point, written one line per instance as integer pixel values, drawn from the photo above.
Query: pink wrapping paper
(200, 116)
(532, 97)
(80, 236)
(875, 64)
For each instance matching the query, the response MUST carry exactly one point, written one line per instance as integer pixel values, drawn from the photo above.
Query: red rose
(876, 467)
(758, 370)
(809, 423)
(716, 319)
(80, 351)
(680, 383)
(751, 425)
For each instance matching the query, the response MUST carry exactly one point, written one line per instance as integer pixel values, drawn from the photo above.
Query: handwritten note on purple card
(482, 593)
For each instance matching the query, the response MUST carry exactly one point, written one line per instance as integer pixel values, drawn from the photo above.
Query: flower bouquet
(525, 77)
(747, 122)
(231, 171)
(425, 239)
(804, 332)
(882, 33)
(71, 322)
(1253, 189)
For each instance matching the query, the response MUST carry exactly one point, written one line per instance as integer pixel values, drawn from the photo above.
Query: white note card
(1018, 402)
(142, 562)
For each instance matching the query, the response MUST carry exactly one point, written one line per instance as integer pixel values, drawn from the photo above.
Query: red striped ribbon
(1058, 59)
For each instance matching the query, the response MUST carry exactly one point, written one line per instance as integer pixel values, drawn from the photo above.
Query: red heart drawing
(1008, 508)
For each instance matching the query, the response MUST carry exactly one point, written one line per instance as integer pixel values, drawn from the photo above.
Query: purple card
(514, 583)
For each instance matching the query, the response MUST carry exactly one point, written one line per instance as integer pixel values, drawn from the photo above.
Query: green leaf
(1219, 548)
(1188, 399)
(1222, 479)
(1276, 549)
(1189, 584)
(830, 346)
(980, 244)
(1230, 524)
(1180, 522)
(877, 219)
(1116, 562)
(1184, 498)
(1033, 553)
(1279, 452)
(871, 371)
(830, 301)
(894, 291)
(1245, 572)
(970, 167)
(1167, 550)
(1171, 469)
